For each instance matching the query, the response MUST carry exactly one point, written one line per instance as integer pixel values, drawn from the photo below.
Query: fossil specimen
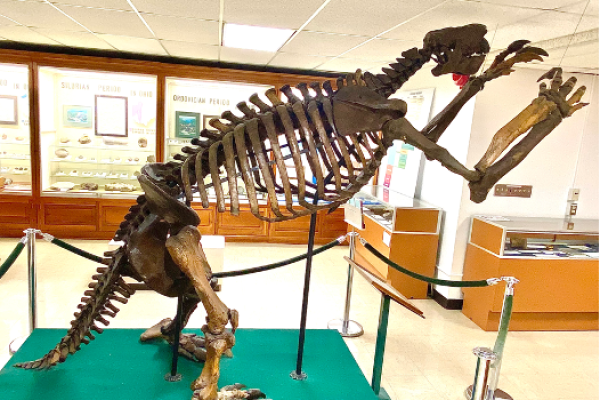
(341, 134)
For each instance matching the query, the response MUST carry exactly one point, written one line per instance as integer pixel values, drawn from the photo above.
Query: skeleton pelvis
(151, 260)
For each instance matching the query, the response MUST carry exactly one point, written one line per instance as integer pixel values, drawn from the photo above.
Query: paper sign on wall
(388, 175)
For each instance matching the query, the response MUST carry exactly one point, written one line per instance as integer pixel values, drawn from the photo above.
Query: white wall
(567, 158)
(437, 185)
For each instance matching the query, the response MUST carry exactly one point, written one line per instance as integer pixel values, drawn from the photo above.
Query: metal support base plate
(353, 329)
(298, 377)
(172, 378)
(383, 395)
(498, 394)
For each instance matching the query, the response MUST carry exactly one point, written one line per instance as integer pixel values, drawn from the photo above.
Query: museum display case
(97, 130)
(192, 103)
(97, 121)
(405, 230)
(15, 132)
(556, 261)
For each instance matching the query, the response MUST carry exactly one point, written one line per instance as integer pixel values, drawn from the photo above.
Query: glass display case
(97, 129)
(193, 103)
(385, 206)
(15, 157)
(547, 237)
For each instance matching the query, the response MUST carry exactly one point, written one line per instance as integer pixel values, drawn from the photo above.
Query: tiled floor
(426, 359)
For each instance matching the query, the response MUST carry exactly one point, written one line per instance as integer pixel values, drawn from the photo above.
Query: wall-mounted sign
(111, 116)
(8, 110)
(187, 124)
(77, 116)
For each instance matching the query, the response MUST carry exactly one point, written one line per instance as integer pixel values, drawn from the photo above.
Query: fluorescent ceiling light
(255, 37)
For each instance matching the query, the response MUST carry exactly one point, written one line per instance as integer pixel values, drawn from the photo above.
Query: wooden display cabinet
(558, 288)
(90, 216)
(405, 230)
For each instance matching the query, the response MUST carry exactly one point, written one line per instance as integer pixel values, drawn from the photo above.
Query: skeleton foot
(191, 346)
(239, 391)
(205, 387)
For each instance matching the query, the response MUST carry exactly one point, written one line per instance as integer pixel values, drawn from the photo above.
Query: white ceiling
(332, 35)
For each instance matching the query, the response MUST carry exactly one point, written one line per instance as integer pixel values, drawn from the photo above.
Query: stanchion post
(345, 326)
(31, 276)
(505, 316)
(481, 389)
(380, 348)
(493, 375)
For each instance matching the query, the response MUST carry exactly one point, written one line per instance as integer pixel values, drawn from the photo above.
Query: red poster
(388, 175)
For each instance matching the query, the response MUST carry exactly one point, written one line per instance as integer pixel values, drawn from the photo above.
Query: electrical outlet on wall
(573, 194)
(571, 208)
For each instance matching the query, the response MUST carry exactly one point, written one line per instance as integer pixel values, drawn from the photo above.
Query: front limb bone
(403, 130)
(187, 253)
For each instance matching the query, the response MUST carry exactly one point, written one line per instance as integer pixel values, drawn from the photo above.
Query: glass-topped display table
(556, 261)
(404, 229)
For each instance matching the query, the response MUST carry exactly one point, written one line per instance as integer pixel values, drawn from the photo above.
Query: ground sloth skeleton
(341, 135)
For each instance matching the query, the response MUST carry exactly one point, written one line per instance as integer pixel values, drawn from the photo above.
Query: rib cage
(252, 147)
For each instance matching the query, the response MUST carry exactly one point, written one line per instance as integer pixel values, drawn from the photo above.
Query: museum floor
(426, 359)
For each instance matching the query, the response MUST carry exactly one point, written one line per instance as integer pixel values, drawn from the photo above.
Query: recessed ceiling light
(255, 37)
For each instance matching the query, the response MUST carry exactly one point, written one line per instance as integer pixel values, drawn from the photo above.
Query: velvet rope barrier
(268, 267)
(10, 260)
(73, 249)
(435, 281)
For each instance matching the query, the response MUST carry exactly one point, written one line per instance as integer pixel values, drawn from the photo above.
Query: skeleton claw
(502, 66)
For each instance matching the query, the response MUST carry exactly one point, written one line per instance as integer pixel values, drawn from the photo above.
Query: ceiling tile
(113, 22)
(549, 25)
(540, 4)
(191, 50)
(382, 49)
(24, 34)
(587, 23)
(342, 64)
(321, 44)
(582, 60)
(288, 14)
(578, 49)
(575, 8)
(76, 39)
(361, 18)
(297, 61)
(204, 9)
(187, 29)
(41, 15)
(110, 4)
(7, 21)
(134, 44)
(457, 13)
(244, 56)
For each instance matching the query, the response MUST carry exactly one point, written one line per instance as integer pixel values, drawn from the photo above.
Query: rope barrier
(72, 249)
(268, 267)
(435, 281)
(10, 260)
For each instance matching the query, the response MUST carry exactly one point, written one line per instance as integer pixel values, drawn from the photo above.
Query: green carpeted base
(117, 366)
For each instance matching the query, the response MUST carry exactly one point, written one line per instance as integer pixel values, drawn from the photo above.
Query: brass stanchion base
(351, 329)
(498, 394)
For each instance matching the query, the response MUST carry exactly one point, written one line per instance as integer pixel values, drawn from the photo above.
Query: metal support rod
(298, 374)
(31, 276)
(380, 344)
(345, 326)
(481, 390)
(174, 376)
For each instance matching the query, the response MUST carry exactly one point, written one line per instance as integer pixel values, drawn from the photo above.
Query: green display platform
(117, 366)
